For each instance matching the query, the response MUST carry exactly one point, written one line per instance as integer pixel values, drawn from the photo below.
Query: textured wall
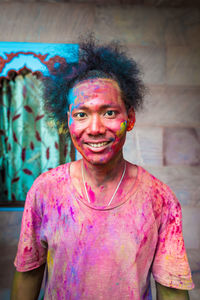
(166, 139)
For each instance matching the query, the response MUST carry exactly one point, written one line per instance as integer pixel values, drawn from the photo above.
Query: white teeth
(98, 144)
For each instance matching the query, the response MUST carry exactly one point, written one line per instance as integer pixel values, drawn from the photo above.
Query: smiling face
(97, 119)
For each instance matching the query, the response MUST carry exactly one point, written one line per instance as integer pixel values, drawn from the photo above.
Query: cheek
(76, 141)
(119, 127)
(75, 130)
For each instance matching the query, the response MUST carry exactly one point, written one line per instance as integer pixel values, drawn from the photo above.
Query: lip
(96, 141)
(97, 149)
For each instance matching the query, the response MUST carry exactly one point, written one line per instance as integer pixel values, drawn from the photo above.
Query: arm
(167, 293)
(26, 285)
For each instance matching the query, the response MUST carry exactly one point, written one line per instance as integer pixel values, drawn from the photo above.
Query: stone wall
(166, 139)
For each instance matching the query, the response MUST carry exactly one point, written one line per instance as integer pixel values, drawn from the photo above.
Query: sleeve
(30, 254)
(170, 265)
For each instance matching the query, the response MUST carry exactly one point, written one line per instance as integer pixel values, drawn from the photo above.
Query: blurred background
(163, 36)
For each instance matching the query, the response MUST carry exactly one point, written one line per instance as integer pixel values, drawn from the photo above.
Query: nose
(96, 126)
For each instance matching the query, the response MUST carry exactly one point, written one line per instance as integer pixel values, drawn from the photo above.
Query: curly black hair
(95, 61)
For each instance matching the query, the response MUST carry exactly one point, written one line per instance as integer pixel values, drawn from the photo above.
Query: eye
(110, 113)
(79, 115)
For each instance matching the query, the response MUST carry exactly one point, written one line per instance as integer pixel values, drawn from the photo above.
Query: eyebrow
(102, 107)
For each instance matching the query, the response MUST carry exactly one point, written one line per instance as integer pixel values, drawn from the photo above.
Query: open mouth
(98, 145)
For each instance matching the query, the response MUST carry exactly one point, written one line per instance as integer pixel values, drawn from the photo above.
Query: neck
(101, 174)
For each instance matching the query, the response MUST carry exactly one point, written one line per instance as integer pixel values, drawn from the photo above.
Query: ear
(131, 119)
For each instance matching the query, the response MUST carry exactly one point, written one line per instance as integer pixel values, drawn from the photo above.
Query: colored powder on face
(123, 127)
(97, 83)
(96, 93)
(75, 101)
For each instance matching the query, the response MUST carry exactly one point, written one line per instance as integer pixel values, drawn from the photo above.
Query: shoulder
(151, 181)
(46, 187)
(160, 199)
(159, 193)
(51, 178)
(53, 174)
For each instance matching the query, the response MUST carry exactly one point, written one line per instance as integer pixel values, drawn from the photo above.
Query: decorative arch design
(36, 58)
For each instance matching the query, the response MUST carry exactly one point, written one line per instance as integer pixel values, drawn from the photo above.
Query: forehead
(97, 87)
(97, 84)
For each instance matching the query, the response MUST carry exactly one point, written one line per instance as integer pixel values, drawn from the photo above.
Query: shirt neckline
(77, 197)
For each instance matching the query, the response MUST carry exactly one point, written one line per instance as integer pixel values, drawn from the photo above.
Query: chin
(99, 160)
(96, 161)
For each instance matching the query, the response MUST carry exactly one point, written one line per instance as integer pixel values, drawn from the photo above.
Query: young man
(101, 224)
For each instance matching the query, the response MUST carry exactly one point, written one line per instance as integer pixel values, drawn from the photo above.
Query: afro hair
(95, 61)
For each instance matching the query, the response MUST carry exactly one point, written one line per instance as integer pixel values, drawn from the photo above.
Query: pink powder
(107, 253)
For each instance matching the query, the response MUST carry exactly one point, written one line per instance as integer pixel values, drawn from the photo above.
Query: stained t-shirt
(103, 253)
